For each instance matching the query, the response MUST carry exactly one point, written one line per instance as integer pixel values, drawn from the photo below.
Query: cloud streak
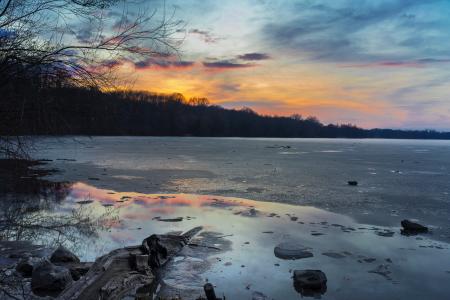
(254, 56)
(227, 65)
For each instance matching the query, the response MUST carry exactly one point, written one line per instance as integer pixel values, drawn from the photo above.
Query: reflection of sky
(374, 63)
(411, 265)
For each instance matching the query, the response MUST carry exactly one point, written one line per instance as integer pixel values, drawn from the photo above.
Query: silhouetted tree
(60, 43)
(93, 112)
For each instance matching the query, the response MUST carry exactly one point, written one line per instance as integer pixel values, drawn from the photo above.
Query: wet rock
(292, 250)
(353, 182)
(63, 255)
(310, 283)
(334, 255)
(385, 233)
(25, 266)
(178, 219)
(411, 228)
(48, 278)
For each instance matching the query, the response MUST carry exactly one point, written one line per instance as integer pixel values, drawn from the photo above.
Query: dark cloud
(227, 64)
(254, 56)
(112, 63)
(163, 63)
(417, 63)
(206, 36)
(346, 31)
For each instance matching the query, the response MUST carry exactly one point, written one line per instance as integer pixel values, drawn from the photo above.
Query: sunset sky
(374, 63)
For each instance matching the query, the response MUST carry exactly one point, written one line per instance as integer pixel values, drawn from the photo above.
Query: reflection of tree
(18, 222)
(27, 209)
(38, 216)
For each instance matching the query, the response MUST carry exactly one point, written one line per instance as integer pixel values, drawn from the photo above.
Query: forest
(71, 110)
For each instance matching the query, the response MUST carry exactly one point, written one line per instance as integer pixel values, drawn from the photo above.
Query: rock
(292, 250)
(411, 228)
(353, 182)
(310, 282)
(25, 266)
(48, 278)
(63, 255)
(178, 219)
(385, 233)
(334, 255)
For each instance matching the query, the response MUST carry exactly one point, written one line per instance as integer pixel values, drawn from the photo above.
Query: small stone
(411, 228)
(292, 250)
(333, 255)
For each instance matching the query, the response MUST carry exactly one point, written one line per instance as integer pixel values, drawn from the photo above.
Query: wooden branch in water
(122, 271)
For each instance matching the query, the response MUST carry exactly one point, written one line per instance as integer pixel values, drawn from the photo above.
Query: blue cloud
(363, 31)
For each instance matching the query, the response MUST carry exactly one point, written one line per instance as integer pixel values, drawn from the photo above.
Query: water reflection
(239, 256)
(31, 207)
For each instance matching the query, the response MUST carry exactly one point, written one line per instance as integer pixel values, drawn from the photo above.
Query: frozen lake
(397, 178)
(253, 194)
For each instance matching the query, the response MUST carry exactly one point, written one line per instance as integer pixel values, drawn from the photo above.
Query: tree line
(63, 110)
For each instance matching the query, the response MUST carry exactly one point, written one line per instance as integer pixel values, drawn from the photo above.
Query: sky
(373, 63)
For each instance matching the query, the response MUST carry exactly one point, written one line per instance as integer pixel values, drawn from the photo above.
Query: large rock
(411, 228)
(310, 282)
(63, 255)
(48, 278)
(292, 250)
(25, 266)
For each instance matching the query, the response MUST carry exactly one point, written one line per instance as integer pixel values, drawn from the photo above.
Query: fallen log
(121, 272)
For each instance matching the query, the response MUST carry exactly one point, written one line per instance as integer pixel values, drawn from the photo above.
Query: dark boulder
(48, 279)
(310, 283)
(411, 228)
(25, 266)
(63, 255)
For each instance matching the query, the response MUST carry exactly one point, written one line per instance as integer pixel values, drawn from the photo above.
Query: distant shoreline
(230, 137)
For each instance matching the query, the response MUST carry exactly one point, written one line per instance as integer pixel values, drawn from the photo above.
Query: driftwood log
(122, 272)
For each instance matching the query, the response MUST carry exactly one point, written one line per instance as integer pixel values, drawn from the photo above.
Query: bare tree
(54, 43)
